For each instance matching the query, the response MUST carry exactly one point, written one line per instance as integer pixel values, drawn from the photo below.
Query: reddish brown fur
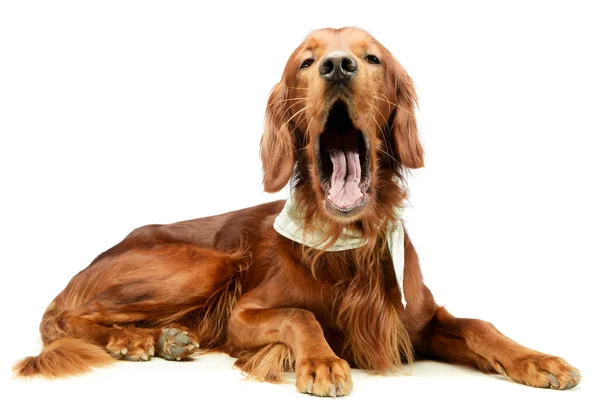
(240, 287)
(64, 357)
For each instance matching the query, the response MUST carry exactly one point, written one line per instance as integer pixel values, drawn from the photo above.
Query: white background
(116, 114)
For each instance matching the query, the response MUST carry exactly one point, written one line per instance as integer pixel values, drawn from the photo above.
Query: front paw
(542, 371)
(325, 377)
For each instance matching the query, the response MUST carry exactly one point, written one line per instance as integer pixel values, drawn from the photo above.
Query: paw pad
(175, 344)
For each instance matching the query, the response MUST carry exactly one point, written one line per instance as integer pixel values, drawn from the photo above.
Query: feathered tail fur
(63, 357)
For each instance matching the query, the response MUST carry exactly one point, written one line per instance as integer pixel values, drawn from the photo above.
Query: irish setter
(340, 125)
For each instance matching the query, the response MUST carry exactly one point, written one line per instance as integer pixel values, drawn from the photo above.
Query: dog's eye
(307, 63)
(372, 59)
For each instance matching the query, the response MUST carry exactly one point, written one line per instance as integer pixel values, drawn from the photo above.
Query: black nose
(338, 67)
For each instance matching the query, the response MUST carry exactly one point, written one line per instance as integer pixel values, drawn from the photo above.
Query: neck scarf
(290, 225)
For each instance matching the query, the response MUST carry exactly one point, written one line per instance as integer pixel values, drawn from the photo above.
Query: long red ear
(404, 125)
(277, 144)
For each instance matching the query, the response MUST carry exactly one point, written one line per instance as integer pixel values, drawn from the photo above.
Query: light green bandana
(290, 225)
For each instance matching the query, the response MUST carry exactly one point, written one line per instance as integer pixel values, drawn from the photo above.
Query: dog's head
(342, 121)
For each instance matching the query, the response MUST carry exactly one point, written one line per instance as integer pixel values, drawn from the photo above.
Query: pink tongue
(344, 190)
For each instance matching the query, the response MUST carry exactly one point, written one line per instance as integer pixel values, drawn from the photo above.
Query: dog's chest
(356, 290)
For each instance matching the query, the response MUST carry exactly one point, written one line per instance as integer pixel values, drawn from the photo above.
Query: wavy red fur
(232, 283)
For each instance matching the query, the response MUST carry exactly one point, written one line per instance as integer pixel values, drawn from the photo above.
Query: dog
(320, 283)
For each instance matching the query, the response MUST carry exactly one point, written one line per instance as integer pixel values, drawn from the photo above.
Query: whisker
(286, 100)
(308, 127)
(293, 116)
(391, 156)
(376, 123)
(375, 120)
(382, 117)
(388, 151)
(385, 99)
(283, 110)
(294, 104)
(386, 143)
(291, 152)
(297, 124)
(377, 109)
(396, 105)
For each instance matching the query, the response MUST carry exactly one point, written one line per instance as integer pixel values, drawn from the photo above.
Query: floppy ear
(277, 144)
(404, 124)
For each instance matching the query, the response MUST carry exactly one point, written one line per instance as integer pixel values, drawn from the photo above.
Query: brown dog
(341, 125)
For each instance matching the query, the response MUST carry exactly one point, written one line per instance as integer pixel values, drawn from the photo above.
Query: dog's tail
(63, 357)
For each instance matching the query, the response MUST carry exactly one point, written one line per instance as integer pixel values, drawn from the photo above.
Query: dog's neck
(290, 224)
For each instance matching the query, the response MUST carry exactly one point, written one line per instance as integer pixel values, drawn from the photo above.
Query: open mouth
(343, 162)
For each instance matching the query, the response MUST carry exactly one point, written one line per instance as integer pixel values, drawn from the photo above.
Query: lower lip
(347, 212)
(360, 204)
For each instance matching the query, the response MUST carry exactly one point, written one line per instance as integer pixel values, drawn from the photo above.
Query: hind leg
(478, 343)
(130, 303)
(172, 342)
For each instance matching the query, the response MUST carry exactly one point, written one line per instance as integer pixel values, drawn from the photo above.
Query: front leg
(318, 370)
(478, 343)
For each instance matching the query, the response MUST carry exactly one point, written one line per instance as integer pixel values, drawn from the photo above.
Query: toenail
(553, 381)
